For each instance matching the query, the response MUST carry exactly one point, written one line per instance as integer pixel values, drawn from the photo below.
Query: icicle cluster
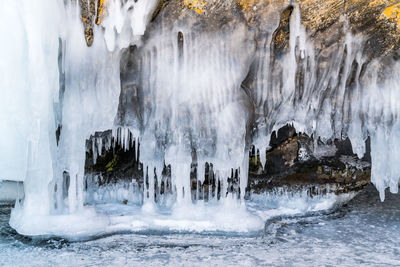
(330, 100)
(125, 21)
(68, 86)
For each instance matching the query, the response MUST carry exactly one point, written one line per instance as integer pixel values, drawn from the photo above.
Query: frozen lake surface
(363, 232)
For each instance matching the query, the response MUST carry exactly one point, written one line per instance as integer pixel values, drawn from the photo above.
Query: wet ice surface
(366, 231)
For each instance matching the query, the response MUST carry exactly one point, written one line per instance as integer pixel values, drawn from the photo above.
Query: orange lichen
(392, 13)
(377, 3)
(245, 4)
(197, 5)
(100, 10)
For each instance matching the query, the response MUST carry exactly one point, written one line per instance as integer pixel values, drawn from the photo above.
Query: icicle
(94, 150)
(200, 177)
(127, 136)
(137, 148)
(99, 145)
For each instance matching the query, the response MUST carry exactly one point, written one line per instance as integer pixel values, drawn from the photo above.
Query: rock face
(297, 162)
(91, 13)
(325, 20)
(262, 28)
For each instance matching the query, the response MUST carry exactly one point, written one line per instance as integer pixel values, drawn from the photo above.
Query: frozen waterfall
(187, 94)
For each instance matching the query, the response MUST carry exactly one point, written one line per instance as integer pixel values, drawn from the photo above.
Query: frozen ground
(364, 232)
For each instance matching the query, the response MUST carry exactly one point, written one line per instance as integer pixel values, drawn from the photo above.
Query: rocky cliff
(326, 21)
(332, 43)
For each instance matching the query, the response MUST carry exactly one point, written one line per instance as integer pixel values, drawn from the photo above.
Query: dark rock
(280, 37)
(295, 162)
(299, 163)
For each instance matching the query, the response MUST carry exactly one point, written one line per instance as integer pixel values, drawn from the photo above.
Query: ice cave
(199, 123)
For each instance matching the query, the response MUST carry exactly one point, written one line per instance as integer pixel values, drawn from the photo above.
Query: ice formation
(184, 103)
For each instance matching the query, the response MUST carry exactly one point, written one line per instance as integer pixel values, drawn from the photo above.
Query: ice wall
(183, 98)
(14, 109)
(55, 83)
(29, 84)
